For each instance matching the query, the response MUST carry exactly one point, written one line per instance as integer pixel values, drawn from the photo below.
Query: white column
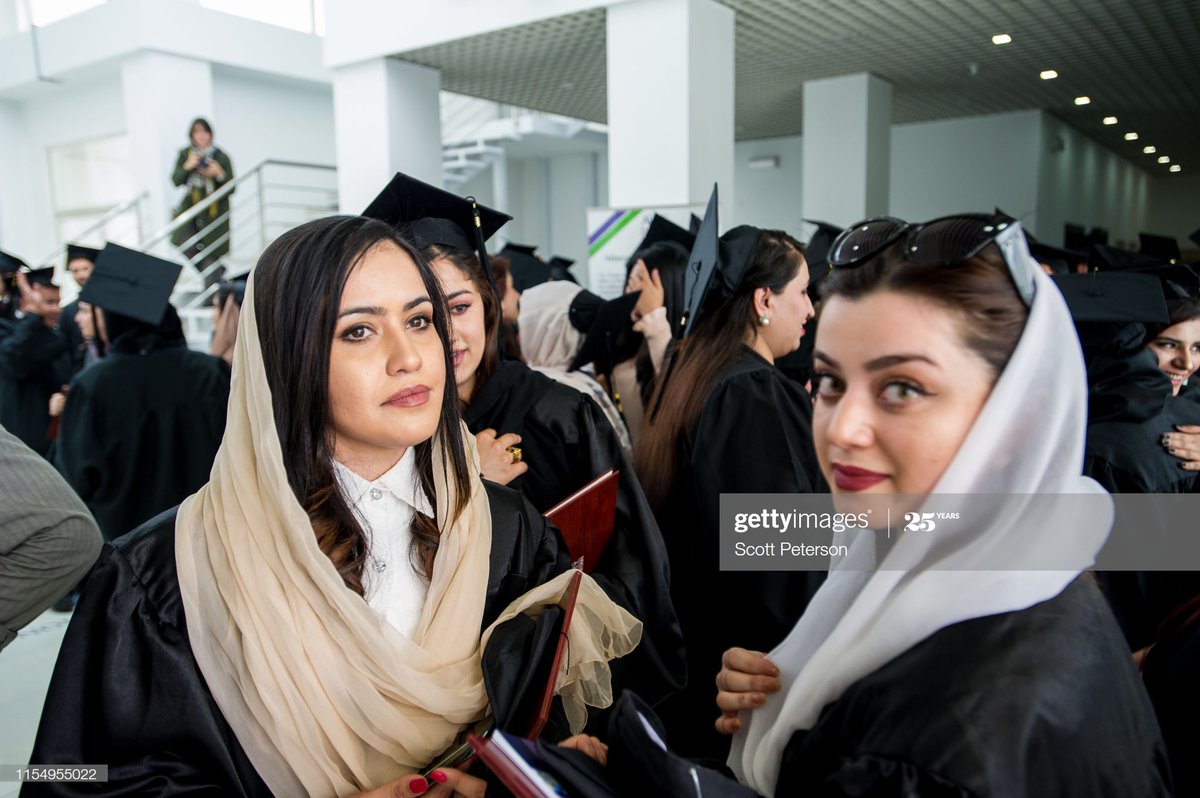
(670, 103)
(847, 148)
(163, 94)
(8, 18)
(387, 119)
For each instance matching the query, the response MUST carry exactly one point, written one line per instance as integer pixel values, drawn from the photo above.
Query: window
(87, 180)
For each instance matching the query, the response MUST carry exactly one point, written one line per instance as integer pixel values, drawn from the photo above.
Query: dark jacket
(127, 692)
(34, 365)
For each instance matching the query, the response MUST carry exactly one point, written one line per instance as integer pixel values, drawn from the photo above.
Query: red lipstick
(852, 480)
(409, 397)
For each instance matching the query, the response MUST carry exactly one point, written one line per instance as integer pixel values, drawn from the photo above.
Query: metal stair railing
(96, 226)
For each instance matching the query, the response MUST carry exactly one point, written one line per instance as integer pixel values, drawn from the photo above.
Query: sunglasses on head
(947, 241)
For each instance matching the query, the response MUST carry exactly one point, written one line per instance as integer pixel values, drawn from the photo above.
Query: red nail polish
(438, 776)
(418, 786)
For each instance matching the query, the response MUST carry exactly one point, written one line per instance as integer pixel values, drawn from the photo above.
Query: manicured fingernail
(758, 699)
(418, 786)
(438, 776)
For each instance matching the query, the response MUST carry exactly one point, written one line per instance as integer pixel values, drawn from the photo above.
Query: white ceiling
(1136, 59)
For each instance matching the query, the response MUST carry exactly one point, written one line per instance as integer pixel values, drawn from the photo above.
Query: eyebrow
(880, 363)
(457, 294)
(376, 310)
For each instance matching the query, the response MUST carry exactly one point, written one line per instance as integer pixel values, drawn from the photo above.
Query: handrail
(218, 195)
(109, 215)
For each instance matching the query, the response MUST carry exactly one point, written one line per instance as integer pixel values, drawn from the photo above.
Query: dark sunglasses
(947, 241)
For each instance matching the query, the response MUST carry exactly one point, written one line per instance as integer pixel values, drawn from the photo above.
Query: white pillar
(847, 148)
(163, 94)
(8, 18)
(670, 103)
(387, 119)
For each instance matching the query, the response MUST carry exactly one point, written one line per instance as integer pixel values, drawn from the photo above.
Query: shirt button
(376, 493)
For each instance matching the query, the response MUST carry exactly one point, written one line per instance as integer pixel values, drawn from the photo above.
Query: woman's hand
(1184, 443)
(592, 746)
(441, 783)
(192, 161)
(495, 461)
(57, 402)
(745, 681)
(213, 170)
(652, 295)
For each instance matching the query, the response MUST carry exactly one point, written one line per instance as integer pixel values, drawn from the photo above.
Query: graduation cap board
(430, 215)
(1113, 297)
(131, 283)
(716, 263)
(10, 264)
(1177, 280)
(610, 338)
(1162, 247)
(80, 252)
(663, 229)
(560, 269)
(527, 270)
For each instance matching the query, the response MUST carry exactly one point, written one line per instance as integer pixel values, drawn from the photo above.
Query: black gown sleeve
(31, 347)
(126, 691)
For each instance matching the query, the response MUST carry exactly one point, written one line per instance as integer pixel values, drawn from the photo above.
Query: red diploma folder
(586, 518)
(516, 764)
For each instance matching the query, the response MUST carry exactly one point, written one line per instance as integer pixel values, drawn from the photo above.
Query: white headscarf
(549, 343)
(1027, 440)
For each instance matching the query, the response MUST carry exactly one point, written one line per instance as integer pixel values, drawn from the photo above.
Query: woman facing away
(726, 420)
(311, 621)
(975, 660)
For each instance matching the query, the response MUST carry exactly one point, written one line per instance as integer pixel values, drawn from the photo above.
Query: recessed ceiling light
(1084, 100)
(1176, 168)
(1149, 149)
(1131, 136)
(1048, 74)
(1001, 38)
(1164, 159)
(1110, 120)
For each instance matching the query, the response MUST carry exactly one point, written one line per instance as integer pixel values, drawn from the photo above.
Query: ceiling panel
(1136, 59)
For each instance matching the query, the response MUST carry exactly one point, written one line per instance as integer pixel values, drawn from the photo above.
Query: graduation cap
(80, 252)
(560, 269)
(610, 337)
(430, 215)
(663, 229)
(694, 224)
(131, 283)
(1177, 280)
(716, 264)
(1113, 297)
(1163, 247)
(10, 264)
(527, 270)
(1062, 261)
(42, 277)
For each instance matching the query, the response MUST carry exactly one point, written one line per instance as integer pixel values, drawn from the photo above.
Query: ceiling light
(1149, 149)
(1084, 100)
(1110, 120)
(1048, 74)
(1164, 159)
(1001, 38)
(1176, 168)
(1131, 136)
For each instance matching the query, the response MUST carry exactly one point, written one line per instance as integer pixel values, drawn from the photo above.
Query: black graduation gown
(127, 692)
(567, 442)
(73, 335)
(754, 435)
(33, 366)
(1040, 702)
(1171, 672)
(140, 430)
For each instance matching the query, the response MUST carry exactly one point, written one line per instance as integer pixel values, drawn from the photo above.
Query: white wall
(1083, 182)
(971, 164)
(768, 198)
(77, 111)
(1175, 208)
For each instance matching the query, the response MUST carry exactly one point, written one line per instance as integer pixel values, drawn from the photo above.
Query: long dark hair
(714, 344)
(298, 289)
(1179, 310)
(470, 267)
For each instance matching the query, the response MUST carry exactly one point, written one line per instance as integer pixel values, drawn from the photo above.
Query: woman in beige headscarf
(311, 621)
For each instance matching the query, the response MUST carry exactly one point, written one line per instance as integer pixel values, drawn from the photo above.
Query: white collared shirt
(385, 508)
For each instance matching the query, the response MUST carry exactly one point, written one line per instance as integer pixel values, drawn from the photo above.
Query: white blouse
(393, 586)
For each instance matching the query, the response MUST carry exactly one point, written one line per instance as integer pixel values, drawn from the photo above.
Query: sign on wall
(613, 235)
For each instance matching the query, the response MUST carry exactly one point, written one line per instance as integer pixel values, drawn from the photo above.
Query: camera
(204, 162)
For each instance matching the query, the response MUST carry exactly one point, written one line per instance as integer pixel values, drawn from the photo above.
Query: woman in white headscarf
(550, 341)
(311, 622)
(973, 659)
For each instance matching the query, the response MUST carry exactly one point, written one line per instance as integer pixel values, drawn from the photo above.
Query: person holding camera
(203, 169)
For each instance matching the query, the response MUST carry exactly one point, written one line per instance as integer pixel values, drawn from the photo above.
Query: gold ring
(515, 451)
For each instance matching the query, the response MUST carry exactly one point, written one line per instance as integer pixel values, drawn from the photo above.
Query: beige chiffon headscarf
(325, 696)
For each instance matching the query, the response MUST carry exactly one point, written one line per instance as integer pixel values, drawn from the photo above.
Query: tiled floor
(25, 667)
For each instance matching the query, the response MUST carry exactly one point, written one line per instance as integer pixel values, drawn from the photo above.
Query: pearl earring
(764, 320)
